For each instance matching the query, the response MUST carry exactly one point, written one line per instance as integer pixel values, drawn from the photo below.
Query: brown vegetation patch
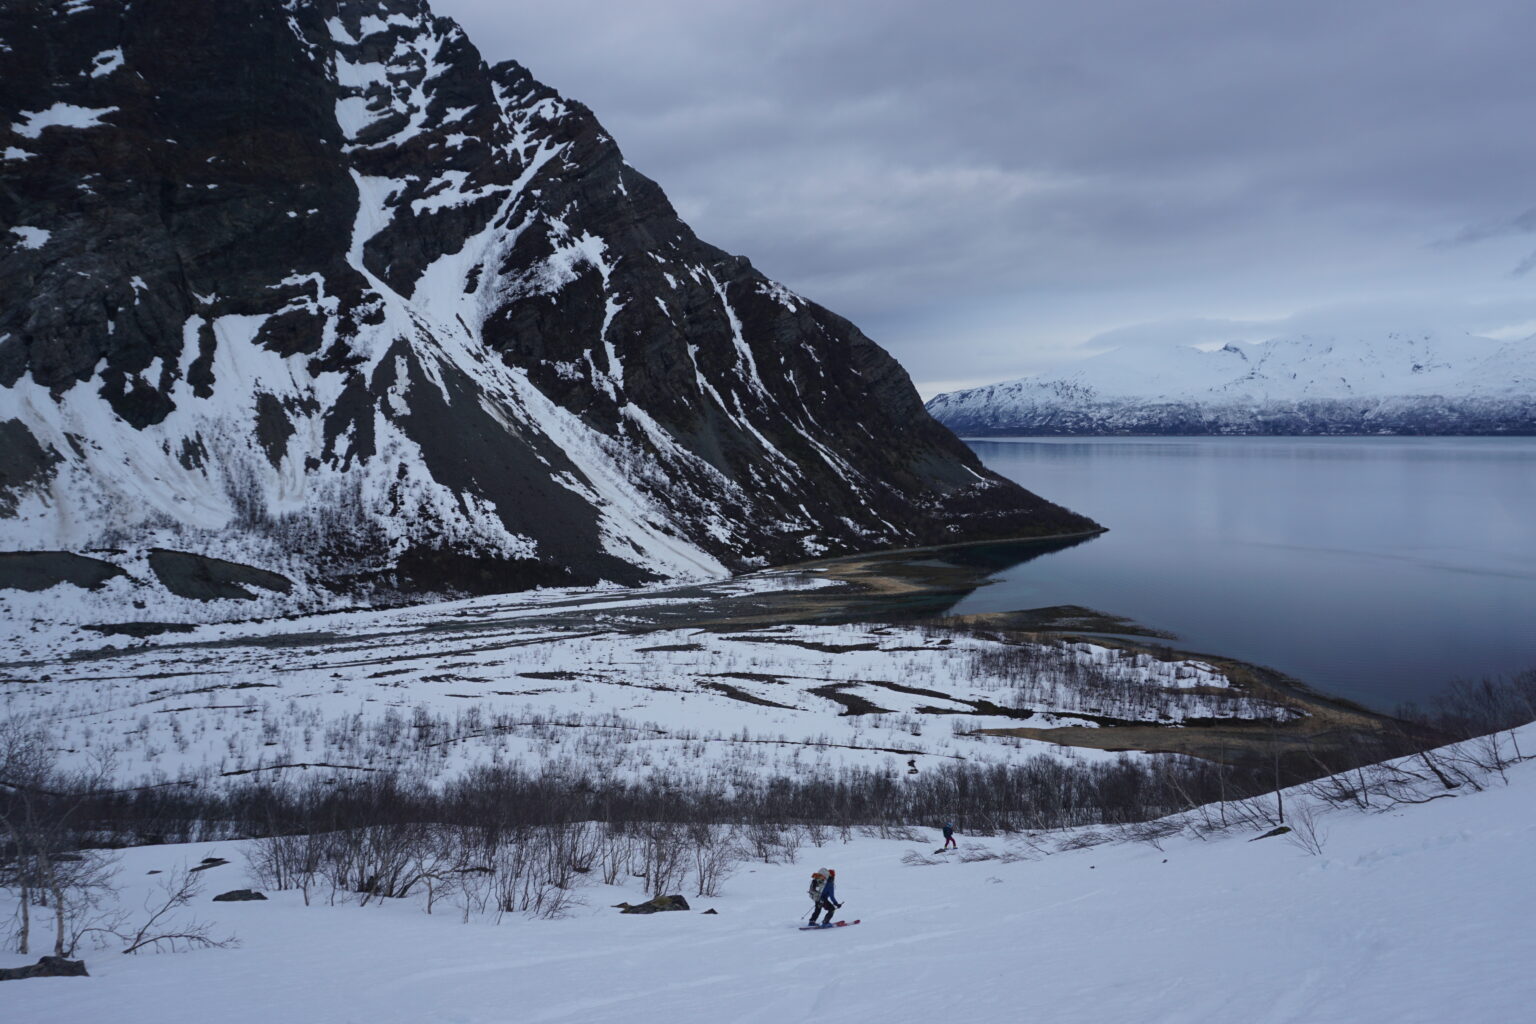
(751, 677)
(852, 703)
(809, 645)
(734, 693)
(1064, 618)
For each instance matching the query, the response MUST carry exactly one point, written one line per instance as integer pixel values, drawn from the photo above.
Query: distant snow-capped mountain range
(1396, 383)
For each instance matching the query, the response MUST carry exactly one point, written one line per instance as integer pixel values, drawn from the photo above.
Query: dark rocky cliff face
(307, 284)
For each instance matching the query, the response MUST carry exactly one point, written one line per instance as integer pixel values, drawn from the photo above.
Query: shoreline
(888, 587)
(1328, 723)
(859, 569)
(885, 588)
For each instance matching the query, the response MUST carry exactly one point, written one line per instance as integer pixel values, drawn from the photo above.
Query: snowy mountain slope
(307, 285)
(1418, 915)
(1396, 384)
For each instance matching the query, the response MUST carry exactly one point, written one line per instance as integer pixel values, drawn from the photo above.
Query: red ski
(824, 927)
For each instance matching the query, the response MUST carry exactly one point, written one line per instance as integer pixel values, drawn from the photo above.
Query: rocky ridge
(306, 284)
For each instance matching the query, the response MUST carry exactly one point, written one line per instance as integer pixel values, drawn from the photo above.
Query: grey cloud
(1401, 316)
(981, 183)
(1194, 331)
(1523, 224)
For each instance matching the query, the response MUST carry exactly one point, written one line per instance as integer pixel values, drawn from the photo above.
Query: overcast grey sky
(988, 186)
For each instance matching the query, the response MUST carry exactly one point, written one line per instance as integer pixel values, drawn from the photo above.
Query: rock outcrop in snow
(1396, 384)
(309, 286)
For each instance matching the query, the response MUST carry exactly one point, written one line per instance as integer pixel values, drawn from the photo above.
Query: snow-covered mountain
(305, 284)
(1388, 384)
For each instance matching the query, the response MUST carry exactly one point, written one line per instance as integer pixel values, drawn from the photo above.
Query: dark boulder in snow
(238, 896)
(1278, 830)
(654, 906)
(47, 967)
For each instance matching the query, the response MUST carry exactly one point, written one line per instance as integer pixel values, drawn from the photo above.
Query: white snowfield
(435, 690)
(1419, 915)
(60, 115)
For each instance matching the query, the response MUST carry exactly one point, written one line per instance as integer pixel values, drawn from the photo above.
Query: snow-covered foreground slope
(1395, 384)
(1420, 914)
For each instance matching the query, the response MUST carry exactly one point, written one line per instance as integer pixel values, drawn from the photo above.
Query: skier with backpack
(823, 893)
(949, 836)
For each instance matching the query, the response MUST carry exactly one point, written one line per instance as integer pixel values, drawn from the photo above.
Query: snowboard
(822, 927)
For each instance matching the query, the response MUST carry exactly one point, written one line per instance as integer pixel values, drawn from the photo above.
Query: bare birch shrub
(43, 815)
(162, 930)
(716, 851)
(1307, 832)
(525, 876)
(286, 862)
(662, 857)
(84, 891)
(616, 853)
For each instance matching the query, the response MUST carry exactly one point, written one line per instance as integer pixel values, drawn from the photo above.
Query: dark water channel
(1377, 569)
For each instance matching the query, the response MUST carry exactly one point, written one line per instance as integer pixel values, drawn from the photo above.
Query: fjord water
(1377, 569)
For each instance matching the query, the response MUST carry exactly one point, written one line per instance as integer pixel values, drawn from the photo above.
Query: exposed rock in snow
(310, 287)
(209, 579)
(47, 967)
(654, 906)
(1396, 384)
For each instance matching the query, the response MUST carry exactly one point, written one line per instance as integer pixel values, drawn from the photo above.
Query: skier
(824, 895)
(949, 836)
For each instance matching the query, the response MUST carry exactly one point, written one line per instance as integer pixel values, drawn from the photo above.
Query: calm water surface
(1377, 569)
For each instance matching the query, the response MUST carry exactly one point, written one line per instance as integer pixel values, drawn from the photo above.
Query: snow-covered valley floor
(590, 681)
(1420, 914)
